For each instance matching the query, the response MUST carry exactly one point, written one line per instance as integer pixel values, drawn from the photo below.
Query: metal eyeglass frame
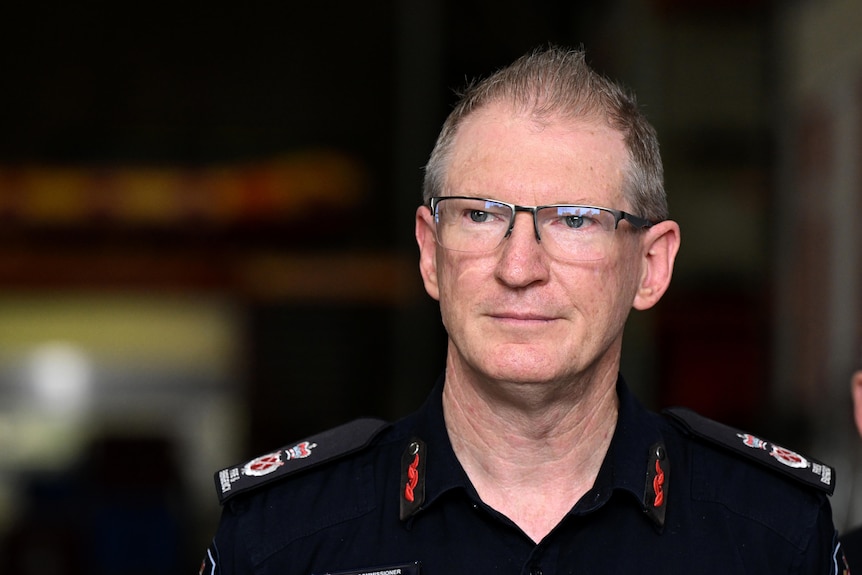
(635, 221)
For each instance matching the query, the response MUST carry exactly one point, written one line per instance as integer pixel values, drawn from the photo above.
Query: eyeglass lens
(574, 233)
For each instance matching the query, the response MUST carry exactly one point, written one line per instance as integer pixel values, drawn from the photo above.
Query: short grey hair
(557, 84)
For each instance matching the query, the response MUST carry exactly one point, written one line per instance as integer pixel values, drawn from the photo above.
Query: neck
(531, 450)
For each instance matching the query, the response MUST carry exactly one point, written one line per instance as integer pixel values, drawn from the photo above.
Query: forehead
(508, 155)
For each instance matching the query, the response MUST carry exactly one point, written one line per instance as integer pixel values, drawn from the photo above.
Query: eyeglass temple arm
(635, 221)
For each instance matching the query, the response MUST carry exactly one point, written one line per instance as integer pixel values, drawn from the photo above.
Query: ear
(856, 390)
(660, 245)
(427, 250)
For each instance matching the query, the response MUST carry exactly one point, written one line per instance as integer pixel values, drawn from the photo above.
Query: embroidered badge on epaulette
(802, 468)
(412, 488)
(326, 446)
(657, 482)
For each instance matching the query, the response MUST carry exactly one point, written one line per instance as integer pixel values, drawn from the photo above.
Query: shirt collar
(444, 471)
(632, 450)
(630, 463)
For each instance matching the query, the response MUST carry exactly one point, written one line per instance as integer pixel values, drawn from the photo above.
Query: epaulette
(801, 468)
(326, 446)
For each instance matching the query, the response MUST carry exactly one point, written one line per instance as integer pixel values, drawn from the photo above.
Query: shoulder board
(801, 468)
(326, 446)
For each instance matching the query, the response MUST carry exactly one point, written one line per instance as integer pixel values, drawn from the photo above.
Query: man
(851, 541)
(531, 455)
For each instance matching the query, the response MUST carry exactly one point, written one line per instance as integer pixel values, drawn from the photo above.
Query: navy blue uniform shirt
(665, 501)
(851, 543)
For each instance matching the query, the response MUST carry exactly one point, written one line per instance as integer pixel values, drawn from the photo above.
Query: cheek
(604, 292)
(461, 281)
(619, 286)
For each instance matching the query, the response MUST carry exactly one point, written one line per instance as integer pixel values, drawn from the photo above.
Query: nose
(523, 260)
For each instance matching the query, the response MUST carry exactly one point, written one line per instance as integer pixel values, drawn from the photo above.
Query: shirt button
(536, 571)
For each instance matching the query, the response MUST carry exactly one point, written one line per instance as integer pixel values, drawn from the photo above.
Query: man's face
(516, 314)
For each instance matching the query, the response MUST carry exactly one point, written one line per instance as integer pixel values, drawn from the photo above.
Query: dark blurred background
(206, 237)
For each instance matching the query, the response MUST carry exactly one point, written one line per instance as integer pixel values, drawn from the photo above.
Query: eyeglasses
(568, 232)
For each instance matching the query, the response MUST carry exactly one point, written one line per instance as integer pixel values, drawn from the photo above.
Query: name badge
(405, 569)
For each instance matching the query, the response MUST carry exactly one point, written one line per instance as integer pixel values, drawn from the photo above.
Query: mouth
(522, 317)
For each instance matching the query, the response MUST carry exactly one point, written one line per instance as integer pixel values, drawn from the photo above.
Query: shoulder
(756, 492)
(297, 458)
(747, 449)
(307, 487)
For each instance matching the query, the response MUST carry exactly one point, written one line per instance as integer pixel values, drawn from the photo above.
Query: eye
(473, 213)
(579, 221)
(479, 216)
(576, 218)
(486, 216)
(575, 222)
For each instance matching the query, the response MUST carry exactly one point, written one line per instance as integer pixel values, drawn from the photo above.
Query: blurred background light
(61, 376)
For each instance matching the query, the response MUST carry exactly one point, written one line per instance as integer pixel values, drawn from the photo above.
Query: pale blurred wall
(817, 329)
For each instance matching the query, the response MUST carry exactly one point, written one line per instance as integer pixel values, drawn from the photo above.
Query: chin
(534, 369)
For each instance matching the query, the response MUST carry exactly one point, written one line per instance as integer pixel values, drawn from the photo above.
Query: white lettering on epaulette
(824, 471)
(227, 477)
